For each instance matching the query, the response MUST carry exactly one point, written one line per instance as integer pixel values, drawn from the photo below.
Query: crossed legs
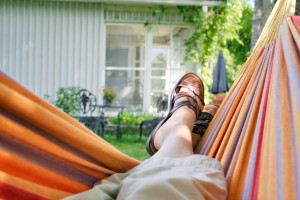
(174, 171)
(174, 137)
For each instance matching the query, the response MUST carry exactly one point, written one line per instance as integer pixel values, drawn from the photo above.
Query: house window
(167, 56)
(124, 70)
(129, 72)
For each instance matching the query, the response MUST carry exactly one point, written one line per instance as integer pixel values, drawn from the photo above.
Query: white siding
(48, 45)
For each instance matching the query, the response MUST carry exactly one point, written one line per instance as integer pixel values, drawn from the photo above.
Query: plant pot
(107, 102)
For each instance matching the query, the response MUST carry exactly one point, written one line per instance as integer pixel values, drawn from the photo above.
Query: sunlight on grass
(129, 144)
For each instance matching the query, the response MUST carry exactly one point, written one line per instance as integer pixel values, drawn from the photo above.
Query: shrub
(131, 120)
(66, 100)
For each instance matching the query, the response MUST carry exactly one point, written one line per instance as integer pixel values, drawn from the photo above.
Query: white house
(47, 44)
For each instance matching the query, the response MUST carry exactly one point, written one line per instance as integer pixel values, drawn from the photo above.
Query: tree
(262, 10)
(297, 11)
(212, 29)
(240, 49)
(225, 28)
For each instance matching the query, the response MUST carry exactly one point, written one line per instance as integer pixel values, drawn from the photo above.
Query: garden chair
(89, 114)
(255, 133)
(148, 126)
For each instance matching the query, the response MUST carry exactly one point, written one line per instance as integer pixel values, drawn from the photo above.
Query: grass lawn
(129, 144)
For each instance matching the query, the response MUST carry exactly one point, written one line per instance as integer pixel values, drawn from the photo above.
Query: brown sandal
(193, 96)
(205, 118)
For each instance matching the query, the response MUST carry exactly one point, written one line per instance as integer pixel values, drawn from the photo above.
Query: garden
(225, 29)
(131, 143)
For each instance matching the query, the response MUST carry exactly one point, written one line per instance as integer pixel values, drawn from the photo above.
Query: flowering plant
(109, 94)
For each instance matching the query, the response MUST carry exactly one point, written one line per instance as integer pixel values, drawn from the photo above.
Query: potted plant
(109, 95)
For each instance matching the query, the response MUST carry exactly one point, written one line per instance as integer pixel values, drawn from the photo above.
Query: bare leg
(174, 173)
(174, 138)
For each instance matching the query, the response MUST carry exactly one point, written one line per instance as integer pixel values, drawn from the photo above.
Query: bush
(131, 120)
(66, 100)
(143, 117)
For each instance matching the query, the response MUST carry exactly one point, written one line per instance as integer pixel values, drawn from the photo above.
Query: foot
(191, 86)
(187, 96)
(180, 124)
(211, 108)
(205, 118)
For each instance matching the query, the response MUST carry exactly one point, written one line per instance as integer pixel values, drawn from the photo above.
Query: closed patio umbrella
(220, 82)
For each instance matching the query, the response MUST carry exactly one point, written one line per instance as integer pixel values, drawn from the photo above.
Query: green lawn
(129, 144)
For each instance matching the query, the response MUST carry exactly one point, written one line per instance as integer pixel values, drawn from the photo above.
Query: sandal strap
(193, 89)
(193, 97)
(191, 102)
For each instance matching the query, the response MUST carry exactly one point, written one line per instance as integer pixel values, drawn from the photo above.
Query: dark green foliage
(66, 100)
(213, 29)
(226, 29)
(297, 9)
(240, 49)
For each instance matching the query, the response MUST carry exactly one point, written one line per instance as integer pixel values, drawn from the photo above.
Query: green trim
(156, 2)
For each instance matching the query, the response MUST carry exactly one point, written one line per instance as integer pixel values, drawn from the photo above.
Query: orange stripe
(238, 176)
(285, 113)
(21, 168)
(236, 106)
(63, 130)
(24, 92)
(279, 114)
(34, 188)
(19, 132)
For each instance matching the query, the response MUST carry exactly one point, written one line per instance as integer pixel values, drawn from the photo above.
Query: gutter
(158, 2)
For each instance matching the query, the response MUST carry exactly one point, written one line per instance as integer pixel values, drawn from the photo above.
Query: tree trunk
(297, 11)
(256, 23)
(262, 11)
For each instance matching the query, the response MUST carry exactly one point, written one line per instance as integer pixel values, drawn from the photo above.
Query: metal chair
(87, 102)
(149, 125)
(87, 106)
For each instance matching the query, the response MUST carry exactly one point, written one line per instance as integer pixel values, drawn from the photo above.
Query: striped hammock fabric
(256, 131)
(44, 153)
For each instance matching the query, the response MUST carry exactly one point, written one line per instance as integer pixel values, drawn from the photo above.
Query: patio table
(102, 115)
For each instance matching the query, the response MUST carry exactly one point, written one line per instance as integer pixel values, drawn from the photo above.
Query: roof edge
(159, 2)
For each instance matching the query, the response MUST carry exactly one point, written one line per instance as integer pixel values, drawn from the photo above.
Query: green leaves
(212, 29)
(225, 28)
(131, 120)
(66, 100)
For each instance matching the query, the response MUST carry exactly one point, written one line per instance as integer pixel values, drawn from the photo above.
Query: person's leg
(203, 122)
(175, 130)
(174, 172)
(174, 137)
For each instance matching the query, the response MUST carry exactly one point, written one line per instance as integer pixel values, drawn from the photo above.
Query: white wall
(47, 45)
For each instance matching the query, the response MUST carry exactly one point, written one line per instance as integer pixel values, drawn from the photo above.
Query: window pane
(128, 85)
(113, 53)
(124, 59)
(158, 84)
(159, 73)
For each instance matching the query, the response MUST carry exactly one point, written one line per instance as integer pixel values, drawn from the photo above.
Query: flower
(109, 93)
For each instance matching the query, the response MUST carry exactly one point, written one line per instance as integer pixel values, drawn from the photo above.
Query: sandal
(205, 118)
(195, 101)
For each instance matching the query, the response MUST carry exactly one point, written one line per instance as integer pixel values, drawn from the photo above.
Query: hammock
(256, 131)
(45, 154)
